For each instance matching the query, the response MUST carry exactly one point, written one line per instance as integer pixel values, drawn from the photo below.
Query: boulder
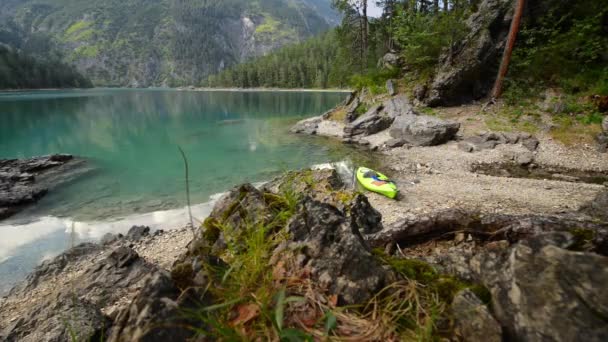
(390, 88)
(605, 124)
(524, 159)
(473, 320)
(334, 250)
(598, 207)
(467, 71)
(369, 123)
(422, 130)
(390, 60)
(307, 126)
(542, 292)
(24, 181)
(74, 306)
(136, 233)
(65, 317)
(154, 314)
(531, 143)
(397, 106)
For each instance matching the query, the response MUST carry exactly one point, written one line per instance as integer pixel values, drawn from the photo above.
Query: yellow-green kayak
(376, 182)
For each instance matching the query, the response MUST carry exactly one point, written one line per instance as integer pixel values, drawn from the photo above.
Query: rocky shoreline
(344, 245)
(496, 236)
(24, 181)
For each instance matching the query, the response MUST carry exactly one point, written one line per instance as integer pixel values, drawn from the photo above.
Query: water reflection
(130, 139)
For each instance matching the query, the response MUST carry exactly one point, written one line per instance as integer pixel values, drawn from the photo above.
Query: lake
(134, 170)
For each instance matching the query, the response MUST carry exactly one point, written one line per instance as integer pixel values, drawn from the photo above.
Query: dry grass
(339, 114)
(576, 134)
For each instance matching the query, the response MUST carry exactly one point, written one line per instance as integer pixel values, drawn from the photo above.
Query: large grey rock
(73, 307)
(136, 233)
(307, 126)
(598, 207)
(467, 72)
(473, 320)
(605, 124)
(423, 130)
(59, 319)
(335, 252)
(369, 123)
(24, 181)
(390, 60)
(397, 106)
(541, 292)
(154, 314)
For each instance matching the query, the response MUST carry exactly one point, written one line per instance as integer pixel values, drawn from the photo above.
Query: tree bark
(506, 58)
(365, 30)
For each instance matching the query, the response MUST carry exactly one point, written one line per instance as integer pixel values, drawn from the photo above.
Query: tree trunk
(365, 30)
(435, 6)
(446, 6)
(506, 58)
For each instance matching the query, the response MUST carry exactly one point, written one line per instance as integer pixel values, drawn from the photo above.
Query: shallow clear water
(130, 141)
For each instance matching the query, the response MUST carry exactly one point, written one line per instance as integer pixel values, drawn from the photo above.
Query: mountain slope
(21, 71)
(159, 42)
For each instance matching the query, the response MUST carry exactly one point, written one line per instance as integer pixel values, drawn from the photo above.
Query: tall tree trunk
(365, 30)
(506, 58)
(446, 6)
(436, 6)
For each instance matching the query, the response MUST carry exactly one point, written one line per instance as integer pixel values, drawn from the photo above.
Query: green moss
(211, 230)
(361, 109)
(88, 51)
(444, 286)
(270, 25)
(582, 238)
(482, 293)
(77, 26)
(345, 196)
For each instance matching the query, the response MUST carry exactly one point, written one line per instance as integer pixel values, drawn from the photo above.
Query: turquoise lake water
(130, 139)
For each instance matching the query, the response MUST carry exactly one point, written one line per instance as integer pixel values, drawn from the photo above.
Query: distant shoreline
(294, 90)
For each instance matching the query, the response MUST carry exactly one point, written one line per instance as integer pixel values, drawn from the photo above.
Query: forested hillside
(560, 44)
(159, 42)
(21, 71)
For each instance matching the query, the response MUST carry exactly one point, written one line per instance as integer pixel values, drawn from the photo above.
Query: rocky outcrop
(24, 181)
(423, 130)
(473, 320)
(335, 252)
(489, 140)
(75, 308)
(397, 106)
(412, 230)
(153, 315)
(541, 291)
(308, 126)
(598, 207)
(369, 123)
(390, 61)
(467, 71)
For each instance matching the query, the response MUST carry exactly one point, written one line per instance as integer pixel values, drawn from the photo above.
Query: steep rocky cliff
(160, 42)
